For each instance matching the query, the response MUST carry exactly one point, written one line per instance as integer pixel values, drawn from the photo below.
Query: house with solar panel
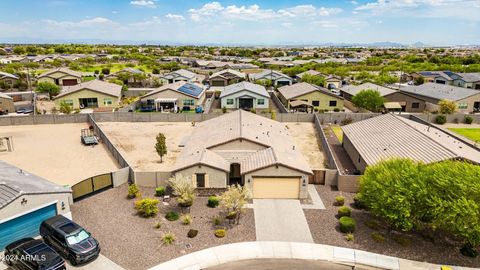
(174, 97)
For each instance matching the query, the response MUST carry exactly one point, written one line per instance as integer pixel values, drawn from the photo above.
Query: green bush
(469, 251)
(213, 201)
(186, 219)
(147, 207)
(192, 233)
(172, 216)
(168, 238)
(468, 120)
(217, 220)
(349, 237)
(336, 110)
(220, 233)
(160, 191)
(339, 200)
(378, 237)
(344, 211)
(133, 191)
(440, 119)
(347, 224)
(357, 202)
(346, 121)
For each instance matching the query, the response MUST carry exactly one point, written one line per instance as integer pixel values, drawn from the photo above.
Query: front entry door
(245, 103)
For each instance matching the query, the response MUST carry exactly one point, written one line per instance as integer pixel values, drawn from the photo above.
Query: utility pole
(30, 88)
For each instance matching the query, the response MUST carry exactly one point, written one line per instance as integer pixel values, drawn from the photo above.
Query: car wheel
(73, 261)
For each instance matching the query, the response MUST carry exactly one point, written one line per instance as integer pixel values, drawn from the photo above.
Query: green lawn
(338, 132)
(471, 133)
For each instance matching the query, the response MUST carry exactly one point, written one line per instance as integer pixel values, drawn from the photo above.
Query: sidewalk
(288, 250)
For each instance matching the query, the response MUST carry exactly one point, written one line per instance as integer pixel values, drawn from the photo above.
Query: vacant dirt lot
(55, 153)
(136, 141)
(306, 138)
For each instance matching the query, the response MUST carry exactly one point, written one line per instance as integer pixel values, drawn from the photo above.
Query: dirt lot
(55, 152)
(306, 138)
(136, 141)
(324, 228)
(134, 243)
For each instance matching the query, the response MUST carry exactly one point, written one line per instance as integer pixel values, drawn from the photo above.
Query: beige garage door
(276, 188)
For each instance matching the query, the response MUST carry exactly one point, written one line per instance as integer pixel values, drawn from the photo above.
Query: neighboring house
(204, 64)
(6, 104)
(310, 72)
(309, 95)
(8, 80)
(179, 75)
(247, 149)
(91, 94)
(468, 100)
(333, 82)
(388, 136)
(172, 96)
(129, 76)
(225, 77)
(25, 201)
(405, 102)
(468, 80)
(440, 77)
(245, 95)
(21, 100)
(277, 78)
(61, 77)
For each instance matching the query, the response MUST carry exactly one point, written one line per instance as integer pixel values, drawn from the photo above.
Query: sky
(235, 22)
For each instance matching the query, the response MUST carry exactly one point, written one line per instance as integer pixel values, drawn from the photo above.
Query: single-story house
(61, 77)
(333, 82)
(387, 136)
(91, 94)
(405, 101)
(180, 75)
(310, 72)
(468, 80)
(277, 78)
(245, 95)
(8, 79)
(468, 100)
(247, 149)
(305, 94)
(130, 76)
(25, 201)
(6, 104)
(171, 96)
(206, 64)
(225, 77)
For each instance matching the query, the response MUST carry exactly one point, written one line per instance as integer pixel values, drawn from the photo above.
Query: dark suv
(29, 254)
(69, 239)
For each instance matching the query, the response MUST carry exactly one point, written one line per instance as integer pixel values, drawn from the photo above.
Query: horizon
(436, 23)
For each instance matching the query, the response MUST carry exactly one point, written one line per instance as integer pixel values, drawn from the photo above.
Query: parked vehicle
(69, 239)
(28, 253)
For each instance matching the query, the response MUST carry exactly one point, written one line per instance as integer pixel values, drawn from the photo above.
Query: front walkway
(280, 220)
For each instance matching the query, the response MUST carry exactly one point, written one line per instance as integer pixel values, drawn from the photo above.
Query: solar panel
(191, 89)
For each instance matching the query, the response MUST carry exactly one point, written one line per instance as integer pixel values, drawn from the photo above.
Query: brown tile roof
(106, 88)
(300, 89)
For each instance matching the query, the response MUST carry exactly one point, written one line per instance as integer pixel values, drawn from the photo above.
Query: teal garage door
(24, 226)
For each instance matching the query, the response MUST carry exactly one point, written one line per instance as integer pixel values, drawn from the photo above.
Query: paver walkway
(280, 220)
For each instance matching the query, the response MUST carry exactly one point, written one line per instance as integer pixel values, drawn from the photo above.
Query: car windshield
(78, 237)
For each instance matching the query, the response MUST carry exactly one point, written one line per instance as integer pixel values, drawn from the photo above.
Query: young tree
(65, 108)
(234, 199)
(368, 99)
(161, 146)
(419, 80)
(312, 79)
(183, 188)
(48, 87)
(447, 106)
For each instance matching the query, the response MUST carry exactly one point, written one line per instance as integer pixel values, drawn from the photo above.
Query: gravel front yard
(134, 243)
(324, 228)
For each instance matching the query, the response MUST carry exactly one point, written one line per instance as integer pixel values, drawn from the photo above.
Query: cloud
(93, 22)
(144, 3)
(175, 17)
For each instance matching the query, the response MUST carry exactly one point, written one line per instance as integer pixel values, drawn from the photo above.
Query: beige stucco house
(7, 80)
(61, 77)
(309, 96)
(174, 96)
(6, 104)
(91, 94)
(226, 77)
(247, 149)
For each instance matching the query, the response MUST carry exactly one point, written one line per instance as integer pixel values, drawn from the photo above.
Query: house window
(188, 102)
(315, 103)
(415, 105)
(107, 101)
(261, 102)
(332, 103)
(462, 106)
(230, 101)
(200, 180)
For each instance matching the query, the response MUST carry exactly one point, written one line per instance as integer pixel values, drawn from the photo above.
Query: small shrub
(217, 220)
(147, 207)
(347, 224)
(469, 251)
(336, 110)
(344, 211)
(224, 109)
(372, 224)
(357, 203)
(378, 237)
(440, 119)
(455, 121)
(213, 201)
(349, 237)
(339, 200)
(231, 215)
(220, 233)
(172, 216)
(168, 238)
(192, 233)
(401, 240)
(346, 121)
(468, 120)
(133, 191)
(160, 191)
(158, 225)
(186, 219)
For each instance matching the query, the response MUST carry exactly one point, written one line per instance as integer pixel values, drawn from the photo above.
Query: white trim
(30, 211)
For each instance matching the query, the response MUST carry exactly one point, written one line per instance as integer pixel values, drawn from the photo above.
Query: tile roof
(268, 74)
(470, 77)
(191, 89)
(180, 73)
(299, 89)
(354, 89)
(106, 88)
(62, 70)
(247, 86)
(440, 91)
(231, 71)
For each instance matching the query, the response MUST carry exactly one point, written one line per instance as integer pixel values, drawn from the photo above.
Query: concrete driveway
(280, 220)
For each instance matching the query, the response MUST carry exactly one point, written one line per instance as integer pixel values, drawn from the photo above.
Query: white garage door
(276, 187)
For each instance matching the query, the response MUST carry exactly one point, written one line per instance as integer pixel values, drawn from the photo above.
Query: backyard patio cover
(392, 105)
(166, 100)
(297, 103)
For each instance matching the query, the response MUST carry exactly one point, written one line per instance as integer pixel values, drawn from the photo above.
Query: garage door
(68, 82)
(276, 188)
(24, 226)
